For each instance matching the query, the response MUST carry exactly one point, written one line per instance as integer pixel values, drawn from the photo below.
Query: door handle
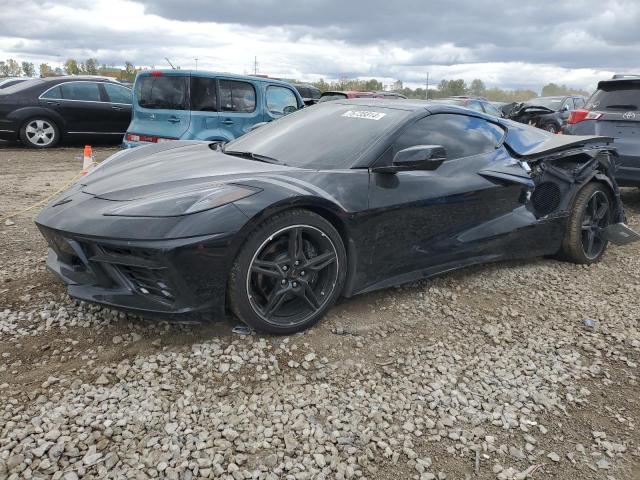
(227, 122)
(50, 102)
(115, 107)
(173, 120)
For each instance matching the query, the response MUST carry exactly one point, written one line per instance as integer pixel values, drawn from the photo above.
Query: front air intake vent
(546, 198)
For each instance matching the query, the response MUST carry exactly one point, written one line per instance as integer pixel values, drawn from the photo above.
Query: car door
(566, 107)
(204, 108)
(83, 108)
(280, 101)
(452, 215)
(238, 106)
(119, 98)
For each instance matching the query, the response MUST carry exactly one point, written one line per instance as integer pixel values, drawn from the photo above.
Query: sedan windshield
(331, 135)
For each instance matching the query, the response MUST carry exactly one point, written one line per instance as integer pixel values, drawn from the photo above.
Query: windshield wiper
(626, 106)
(254, 156)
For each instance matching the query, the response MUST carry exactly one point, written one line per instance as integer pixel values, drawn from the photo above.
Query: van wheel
(40, 133)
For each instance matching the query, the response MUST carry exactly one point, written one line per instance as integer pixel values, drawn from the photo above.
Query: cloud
(510, 44)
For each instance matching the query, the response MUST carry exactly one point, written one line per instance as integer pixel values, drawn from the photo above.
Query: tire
(584, 227)
(550, 127)
(40, 132)
(269, 291)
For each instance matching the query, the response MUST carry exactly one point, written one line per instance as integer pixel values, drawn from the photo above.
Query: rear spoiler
(558, 143)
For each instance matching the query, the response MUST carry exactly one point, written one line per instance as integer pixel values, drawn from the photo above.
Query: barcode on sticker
(363, 114)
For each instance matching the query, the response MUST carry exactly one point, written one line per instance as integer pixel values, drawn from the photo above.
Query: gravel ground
(484, 373)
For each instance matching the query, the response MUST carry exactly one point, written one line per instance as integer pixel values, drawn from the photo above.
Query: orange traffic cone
(87, 162)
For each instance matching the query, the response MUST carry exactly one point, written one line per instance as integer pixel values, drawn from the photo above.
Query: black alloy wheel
(294, 273)
(594, 223)
(586, 240)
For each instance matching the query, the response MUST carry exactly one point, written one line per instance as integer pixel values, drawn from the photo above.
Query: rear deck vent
(546, 197)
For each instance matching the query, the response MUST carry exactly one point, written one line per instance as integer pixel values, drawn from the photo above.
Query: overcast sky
(507, 43)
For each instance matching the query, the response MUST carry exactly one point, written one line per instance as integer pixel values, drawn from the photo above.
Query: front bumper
(178, 279)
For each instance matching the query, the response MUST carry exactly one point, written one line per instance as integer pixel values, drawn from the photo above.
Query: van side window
(203, 94)
(281, 100)
(237, 96)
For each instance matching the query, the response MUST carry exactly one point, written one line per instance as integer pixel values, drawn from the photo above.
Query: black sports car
(41, 112)
(343, 198)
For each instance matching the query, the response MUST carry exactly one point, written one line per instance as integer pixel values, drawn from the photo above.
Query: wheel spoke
(310, 297)
(320, 262)
(295, 244)
(275, 302)
(30, 128)
(601, 212)
(267, 268)
(39, 124)
(590, 241)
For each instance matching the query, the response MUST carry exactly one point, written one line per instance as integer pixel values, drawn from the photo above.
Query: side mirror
(420, 157)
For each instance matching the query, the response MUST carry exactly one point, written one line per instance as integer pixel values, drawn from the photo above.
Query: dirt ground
(466, 350)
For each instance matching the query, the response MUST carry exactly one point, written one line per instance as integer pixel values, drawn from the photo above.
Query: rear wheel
(585, 241)
(550, 127)
(40, 133)
(288, 273)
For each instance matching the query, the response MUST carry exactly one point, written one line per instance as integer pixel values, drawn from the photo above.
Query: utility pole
(426, 93)
(255, 65)
(196, 63)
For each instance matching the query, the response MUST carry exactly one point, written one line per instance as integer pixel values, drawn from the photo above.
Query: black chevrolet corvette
(335, 200)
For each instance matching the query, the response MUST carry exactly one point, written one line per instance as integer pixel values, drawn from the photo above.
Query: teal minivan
(200, 105)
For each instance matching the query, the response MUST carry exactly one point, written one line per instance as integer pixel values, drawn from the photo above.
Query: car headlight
(175, 204)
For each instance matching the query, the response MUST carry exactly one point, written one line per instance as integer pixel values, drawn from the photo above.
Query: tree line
(91, 66)
(451, 88)
(446, 88)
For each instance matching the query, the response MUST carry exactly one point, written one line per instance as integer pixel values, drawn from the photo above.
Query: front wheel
(550, 127)
(289, 272)
(585, 240)
(40, 133)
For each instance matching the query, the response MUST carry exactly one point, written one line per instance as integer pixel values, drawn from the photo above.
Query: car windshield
(616, 96)
(448, 101)
(326, 97)
(552, 103)
(328, 136)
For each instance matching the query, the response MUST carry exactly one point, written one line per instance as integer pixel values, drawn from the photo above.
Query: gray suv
(614, 111)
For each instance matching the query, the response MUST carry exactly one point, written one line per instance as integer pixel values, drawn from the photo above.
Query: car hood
(162, 168)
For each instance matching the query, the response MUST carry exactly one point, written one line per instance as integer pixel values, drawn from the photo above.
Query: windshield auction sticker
(363, 114)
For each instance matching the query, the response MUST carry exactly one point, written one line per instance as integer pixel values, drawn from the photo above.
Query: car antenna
(169, 62)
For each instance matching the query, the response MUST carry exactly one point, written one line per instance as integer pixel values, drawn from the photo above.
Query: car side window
(118, 93)
(568, 103)
(461, 135)
(579, 102)
(281, 100)
(53, 93)
(237, 96)
(204, 95)
(84, 91)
